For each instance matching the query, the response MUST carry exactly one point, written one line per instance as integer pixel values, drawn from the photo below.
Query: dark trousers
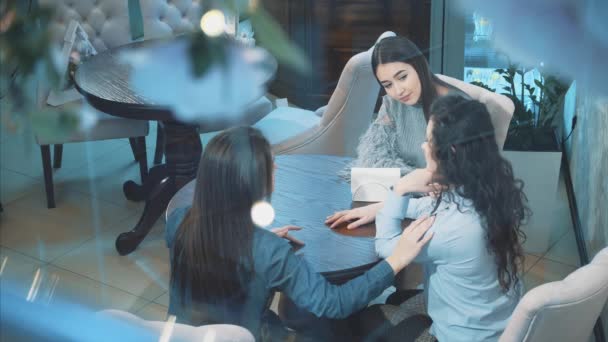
(403, 319)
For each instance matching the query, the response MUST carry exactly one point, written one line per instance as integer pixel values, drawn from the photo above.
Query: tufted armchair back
(345, 118)
(562, 310)
(107, 21)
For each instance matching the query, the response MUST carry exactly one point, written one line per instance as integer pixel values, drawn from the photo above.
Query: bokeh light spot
(213, 23)
(262, 213)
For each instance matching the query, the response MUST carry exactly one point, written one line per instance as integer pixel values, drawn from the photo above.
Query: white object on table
(372, 184)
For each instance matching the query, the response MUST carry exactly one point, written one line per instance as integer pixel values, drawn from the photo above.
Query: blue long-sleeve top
(463, 294)
(277, 268)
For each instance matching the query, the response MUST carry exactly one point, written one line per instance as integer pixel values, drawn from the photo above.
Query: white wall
(587, 152)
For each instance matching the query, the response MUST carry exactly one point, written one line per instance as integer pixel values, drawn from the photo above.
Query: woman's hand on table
(357, 216)
(283, 232)
(410, 243)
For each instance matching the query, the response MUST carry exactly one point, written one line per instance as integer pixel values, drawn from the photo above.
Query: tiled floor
(72, 245)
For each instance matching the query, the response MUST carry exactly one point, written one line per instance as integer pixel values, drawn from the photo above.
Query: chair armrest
(320, 111)
(501, 108)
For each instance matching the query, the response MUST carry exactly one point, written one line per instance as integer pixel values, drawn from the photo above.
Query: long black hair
(212, 257)
(469, 161)
(401, 49)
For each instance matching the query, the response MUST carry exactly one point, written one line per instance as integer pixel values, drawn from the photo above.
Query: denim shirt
(463, 294)
(278, 268)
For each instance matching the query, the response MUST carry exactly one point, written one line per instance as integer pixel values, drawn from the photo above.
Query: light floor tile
(104, 180)
(17, 271)
(22, 155)
(545, 271)
(565, 250)
(545, 237)
(163, 300)
(153, 312)
(65, 286)
(75, 208)
(7, 133)
(144, 273)
(39, 235)
(14, 185)
(529, 261)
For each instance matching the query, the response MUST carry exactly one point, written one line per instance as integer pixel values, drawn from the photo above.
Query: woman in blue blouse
(472, 265)
(224, 269)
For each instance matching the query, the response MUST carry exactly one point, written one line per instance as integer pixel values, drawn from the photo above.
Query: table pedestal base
(183, 151)
(137, 193)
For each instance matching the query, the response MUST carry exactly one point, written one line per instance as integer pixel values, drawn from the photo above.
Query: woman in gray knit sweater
(394, 139)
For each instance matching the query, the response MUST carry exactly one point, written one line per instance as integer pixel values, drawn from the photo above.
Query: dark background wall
(331, 31)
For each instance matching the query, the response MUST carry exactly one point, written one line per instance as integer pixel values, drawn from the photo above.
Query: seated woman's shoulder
(266, 238)
(174, 219)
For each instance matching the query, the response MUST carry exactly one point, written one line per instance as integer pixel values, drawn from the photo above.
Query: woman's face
(427, 147)
(401, 82)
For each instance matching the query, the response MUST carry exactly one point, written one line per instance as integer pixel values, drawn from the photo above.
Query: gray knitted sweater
(393, 139)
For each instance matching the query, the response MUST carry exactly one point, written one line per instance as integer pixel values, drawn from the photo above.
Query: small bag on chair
(372, 184)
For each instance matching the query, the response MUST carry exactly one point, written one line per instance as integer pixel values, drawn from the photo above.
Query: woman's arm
(416, 181)
(311, 291)
(389, 222)
(500, 107)
(399, 205)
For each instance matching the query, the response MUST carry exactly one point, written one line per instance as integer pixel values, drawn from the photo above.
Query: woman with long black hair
(472, 265)
(224, 269)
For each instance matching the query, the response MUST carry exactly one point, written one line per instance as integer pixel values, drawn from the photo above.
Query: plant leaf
(271, 36)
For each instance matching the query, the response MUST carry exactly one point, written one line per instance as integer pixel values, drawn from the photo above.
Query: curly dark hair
(469, 161)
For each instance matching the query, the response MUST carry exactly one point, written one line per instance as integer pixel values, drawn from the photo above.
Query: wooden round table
(307, 190)
(103, 80)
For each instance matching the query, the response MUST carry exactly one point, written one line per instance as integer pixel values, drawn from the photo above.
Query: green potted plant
(533, 147)
(536, 109)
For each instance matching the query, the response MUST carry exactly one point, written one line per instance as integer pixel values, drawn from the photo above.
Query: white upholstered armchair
(563, 310)
(182, 332)
(336, 128)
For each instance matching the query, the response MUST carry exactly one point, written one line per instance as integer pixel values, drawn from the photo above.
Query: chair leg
(142, 157)
(45, 150)
(159, 150)
(57, 156)
(133, 143)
